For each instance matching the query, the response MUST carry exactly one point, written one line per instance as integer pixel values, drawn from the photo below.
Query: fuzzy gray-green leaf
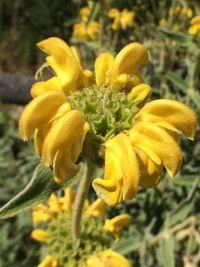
(39, 188)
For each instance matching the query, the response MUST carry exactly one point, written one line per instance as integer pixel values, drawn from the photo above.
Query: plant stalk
(81, 196)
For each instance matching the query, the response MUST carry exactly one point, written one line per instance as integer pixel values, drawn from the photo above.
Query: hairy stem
(81, 196)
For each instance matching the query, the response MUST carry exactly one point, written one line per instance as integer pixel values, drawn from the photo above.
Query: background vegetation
(166, 219)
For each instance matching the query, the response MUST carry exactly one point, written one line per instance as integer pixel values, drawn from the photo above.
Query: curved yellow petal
(121, 172)
(129, 59)
(64, 167)
(97, 208)
(65, 139)
(49, 261)
(170, 114)
(61, 59)
(103, 63)
(40, 235)
(195, 20)
(39, 111)
(107, 258)
(116, 224)
(158, 145)
(150, 172)
(39, 137)
(41, 133)
(44, 87)
(140, 93)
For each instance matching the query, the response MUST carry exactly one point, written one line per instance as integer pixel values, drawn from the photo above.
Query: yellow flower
(116, 224)
(95, 231)
(154, 142)
(121, 71)
(176, 10)
(107, 258)
(40, 235)
(84, 31)
(122, 19)
(136, 139)
(84, 13)
(195, 26)
(49, 261)
(187, 12)
(162, 22)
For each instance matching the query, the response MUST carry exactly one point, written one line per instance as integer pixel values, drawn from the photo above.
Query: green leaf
(177, 81)
(166, 252)
(181, 38)
(185, 179)
(195, 97)
(128, 245)
(38, 189)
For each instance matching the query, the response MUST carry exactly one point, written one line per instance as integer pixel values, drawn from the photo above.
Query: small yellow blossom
(49, 261)
(116, 224)
(84, 13)
(83, 31)
(122, 19)
(97, 208)
(163, 22)
(195, 26)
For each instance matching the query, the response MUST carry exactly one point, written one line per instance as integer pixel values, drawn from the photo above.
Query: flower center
(107, 112)
(61, 245)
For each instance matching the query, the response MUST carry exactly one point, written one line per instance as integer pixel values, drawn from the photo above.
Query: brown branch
(15, 88)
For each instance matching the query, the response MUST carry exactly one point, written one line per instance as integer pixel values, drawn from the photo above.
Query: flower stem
(81, 195)
(102, 22)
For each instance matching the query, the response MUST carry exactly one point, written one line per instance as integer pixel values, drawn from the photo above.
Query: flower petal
(169, 114)
(64, 167)
(107, 258)
(116, 224)
(158, 145)
(97, 208)
(40, 235)
(129, 59)
(103, 63)
(63, 144)
(41, 213)
(49, 261)
(121, 171)
(150, 172)
(43, 87)
(61, 59)
(39, 111)
(140, 93)
(67, 200)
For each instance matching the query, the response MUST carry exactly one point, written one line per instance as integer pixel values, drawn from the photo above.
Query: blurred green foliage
(17, 162)
(166, 220)
(24, 23)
